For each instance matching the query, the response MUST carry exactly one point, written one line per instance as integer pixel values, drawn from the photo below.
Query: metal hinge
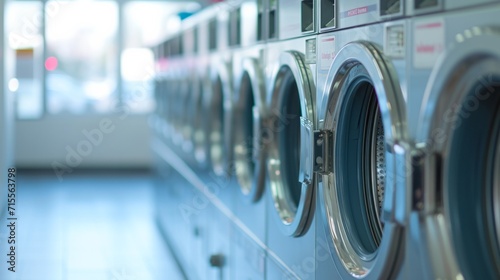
(425, 184)
(323, 153)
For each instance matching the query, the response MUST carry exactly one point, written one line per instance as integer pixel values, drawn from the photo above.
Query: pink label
(428, 43)
(359, 11)
(327, 52)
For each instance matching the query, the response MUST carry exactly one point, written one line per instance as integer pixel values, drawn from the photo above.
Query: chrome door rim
(199, 114)
(473, 47)
(186, 125)
(384, 79)
(496, 191)
(251, 179)
(293, 220)
(219, 142)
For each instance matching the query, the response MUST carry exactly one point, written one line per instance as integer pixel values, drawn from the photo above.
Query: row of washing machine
(332, 140)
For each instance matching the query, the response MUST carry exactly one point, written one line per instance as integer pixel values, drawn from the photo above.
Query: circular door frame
(177, 96)
(170, 87)
(189, 82)
(384, 78)
(175, 103)
(473, 48)
(199, 117)
(221, 71)
(293, 220)
(251, 71)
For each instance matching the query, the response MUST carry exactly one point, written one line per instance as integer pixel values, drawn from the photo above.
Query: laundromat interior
(249, 139)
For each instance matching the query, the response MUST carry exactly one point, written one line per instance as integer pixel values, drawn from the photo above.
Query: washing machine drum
(364, 116)
(462, 124)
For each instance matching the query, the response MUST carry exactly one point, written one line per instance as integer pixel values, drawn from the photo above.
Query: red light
(51, 63)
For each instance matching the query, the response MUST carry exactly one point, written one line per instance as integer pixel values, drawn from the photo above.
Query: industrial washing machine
(218, 95)
(455, 210)
(201, 85)
(188, 90)
(217, 123)
(291, 83)
(249, 155)
(362, 138)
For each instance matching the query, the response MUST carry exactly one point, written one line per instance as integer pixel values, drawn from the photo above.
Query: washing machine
(219, 92)
(290, 191)
(175, 87)
(454, 218)
(164, 127)
(362, 145)
(156, 120)
(200, 87)
(218, 102)
(188, 88)
(248, 111)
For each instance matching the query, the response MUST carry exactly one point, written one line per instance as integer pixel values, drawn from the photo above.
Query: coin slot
(390, 7)
(307, 15)
(328, 11)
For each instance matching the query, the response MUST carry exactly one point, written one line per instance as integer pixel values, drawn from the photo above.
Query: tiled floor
(89, 226)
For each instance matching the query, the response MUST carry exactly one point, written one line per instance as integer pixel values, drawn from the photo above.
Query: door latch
(323, 152)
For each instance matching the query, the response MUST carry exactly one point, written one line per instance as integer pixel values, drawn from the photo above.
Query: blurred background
(75, 97)
(69, 64)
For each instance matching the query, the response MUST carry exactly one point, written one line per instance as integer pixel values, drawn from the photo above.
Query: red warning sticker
(326, 52)
(428, 42)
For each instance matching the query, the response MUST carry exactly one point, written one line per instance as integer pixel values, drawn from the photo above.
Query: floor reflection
(89, 226)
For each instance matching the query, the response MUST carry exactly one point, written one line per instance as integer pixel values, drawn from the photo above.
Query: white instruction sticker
(428, 42)
(327, 52)
(395, 41)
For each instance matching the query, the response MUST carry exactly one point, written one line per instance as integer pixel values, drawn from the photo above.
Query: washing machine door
(363, 136)
(289, 160)
(249, 153)
(460, 131)
(218, 121)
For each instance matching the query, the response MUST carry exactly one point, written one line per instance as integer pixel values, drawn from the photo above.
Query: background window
(23, 31)
(81, 64)
(145, 25)
(83, 52)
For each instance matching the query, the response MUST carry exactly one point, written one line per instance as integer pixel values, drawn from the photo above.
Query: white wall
(59, 141)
